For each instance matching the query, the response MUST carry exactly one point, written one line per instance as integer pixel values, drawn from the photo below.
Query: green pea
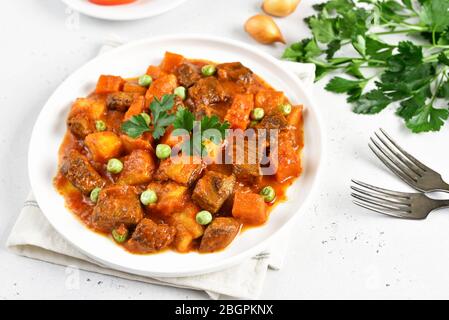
(120, 235)
(257, 114)
(253, 123)
(180, 92)
(94, 194)
(148, 197)
(208, 70)
(114, 166)
(146, 117)
(268, 194)
(163, 151)
(203, 217)
(145, 80)
(100, 125)
(286, 108)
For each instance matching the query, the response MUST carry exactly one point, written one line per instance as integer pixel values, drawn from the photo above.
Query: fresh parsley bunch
(412, 76)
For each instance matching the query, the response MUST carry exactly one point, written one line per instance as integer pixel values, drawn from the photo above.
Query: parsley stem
(434, 57)
(395, 32)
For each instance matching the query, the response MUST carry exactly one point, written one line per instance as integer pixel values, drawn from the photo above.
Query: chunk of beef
(274, 120)
(234, 71)
(80, 125)
(188, 74)
(186, 172)
(77, 169)
(171, 198)
(151, 237)
(219, 234)
(117, 204)
(82, 117)
(246, 161)
(207, 91)
(138, 168)
(119, 101)
(212, 190)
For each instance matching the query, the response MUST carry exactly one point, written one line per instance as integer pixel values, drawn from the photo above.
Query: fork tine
(385, 212)
(387, 198)
(412, 175)
(381, 204)
(410, 165)
(405, 153)
(381, 190)
(399, 173)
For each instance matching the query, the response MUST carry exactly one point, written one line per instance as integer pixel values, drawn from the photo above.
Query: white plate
(131, 60)
(132, 11)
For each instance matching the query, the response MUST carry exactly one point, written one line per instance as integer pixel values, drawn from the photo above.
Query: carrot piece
(155, 72)
(269, 99)
(133, 87)
(249, 208)
(295, 117)
(289, 161)
(108, 84)
(137, 107)
(238, 113)
(163, 85)
(171, 62)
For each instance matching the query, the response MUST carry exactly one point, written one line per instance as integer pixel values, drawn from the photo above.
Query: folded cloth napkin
(32, 236)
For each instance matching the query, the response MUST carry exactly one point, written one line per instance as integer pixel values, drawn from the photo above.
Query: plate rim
(142, 14)
(229, 261)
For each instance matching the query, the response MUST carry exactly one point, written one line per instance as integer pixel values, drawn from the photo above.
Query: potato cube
(171, 198)
(103, 145)
(138, 168)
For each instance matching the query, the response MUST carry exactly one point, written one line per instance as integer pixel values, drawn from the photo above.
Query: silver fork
(405, 166)
(393, 203)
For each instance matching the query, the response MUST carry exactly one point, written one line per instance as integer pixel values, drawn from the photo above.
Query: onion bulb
(280, 8)
(263, 29)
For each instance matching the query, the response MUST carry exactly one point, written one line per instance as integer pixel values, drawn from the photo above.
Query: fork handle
(441, 204)
(443, 188)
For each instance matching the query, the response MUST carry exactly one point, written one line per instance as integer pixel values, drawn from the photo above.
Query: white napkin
(32, 236)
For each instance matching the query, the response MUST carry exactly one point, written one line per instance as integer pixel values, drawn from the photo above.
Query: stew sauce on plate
(189, 206)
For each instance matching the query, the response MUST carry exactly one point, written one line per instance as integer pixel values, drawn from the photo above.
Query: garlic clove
(280, 8)
(263, 29)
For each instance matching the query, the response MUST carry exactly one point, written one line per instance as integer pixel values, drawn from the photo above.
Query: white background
(336, 251)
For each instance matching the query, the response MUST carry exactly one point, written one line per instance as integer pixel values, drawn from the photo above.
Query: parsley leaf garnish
(161, 119)
(135, 127)
(214, 123)
(412, 77)
(186, 120)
